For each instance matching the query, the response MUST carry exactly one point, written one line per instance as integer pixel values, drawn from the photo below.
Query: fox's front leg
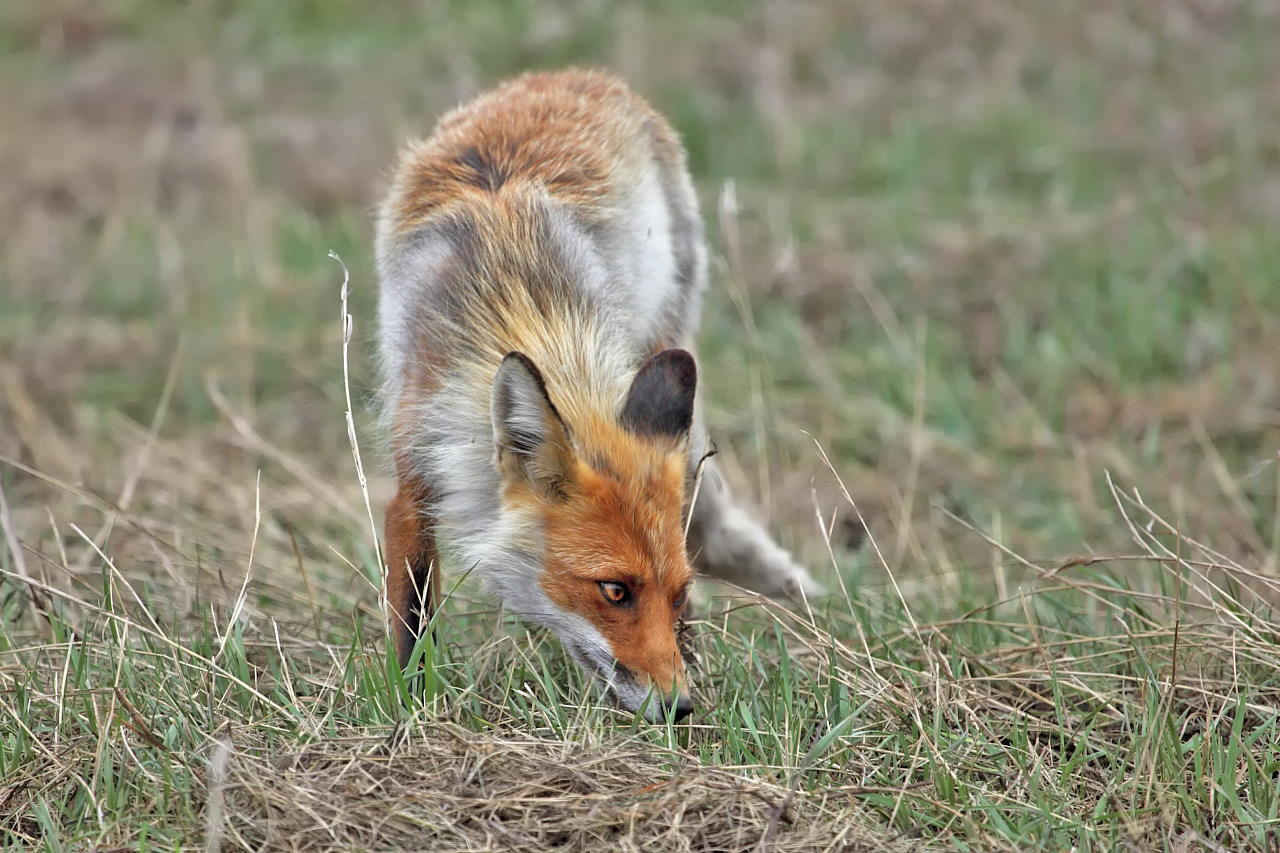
(412, 579)
(728, 544)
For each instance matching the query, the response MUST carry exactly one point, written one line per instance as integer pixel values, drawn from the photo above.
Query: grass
(992, 340)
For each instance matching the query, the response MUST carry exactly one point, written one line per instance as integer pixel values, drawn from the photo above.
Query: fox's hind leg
(412, 580)
(727, 543)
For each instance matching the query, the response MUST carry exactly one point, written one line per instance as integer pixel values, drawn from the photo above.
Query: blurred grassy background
(984, 253)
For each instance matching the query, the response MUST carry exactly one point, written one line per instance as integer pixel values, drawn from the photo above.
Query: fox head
(603, 505)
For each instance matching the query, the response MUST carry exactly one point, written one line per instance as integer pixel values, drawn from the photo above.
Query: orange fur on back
(573, 133)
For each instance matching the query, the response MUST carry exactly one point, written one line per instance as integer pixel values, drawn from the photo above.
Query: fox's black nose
(683, 707)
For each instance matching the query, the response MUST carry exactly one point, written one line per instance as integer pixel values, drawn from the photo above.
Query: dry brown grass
(444, 788)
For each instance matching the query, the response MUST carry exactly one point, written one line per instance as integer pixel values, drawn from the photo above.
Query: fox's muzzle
(683, 707)
(634, 691)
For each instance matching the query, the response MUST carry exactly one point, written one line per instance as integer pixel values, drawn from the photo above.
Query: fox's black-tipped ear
(531, 439)
(660, 402)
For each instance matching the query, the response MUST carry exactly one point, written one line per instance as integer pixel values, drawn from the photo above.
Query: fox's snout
(678, 707)
(684, 707)
(657, 697)
(637, 692)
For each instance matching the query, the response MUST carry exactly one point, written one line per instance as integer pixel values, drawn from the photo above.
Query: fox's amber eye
(617, 593)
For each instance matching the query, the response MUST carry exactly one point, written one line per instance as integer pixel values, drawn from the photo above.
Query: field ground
(1011, 268)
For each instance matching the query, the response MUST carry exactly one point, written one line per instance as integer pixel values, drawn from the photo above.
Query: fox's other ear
(532, 441)
(660, 402)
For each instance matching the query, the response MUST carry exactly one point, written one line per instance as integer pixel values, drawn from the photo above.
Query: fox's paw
(799, 585)
(739, 551)
(779, 576)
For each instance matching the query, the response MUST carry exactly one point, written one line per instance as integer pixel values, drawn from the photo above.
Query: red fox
(542, 267)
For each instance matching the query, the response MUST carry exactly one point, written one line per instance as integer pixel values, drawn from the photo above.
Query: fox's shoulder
(581, 134)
